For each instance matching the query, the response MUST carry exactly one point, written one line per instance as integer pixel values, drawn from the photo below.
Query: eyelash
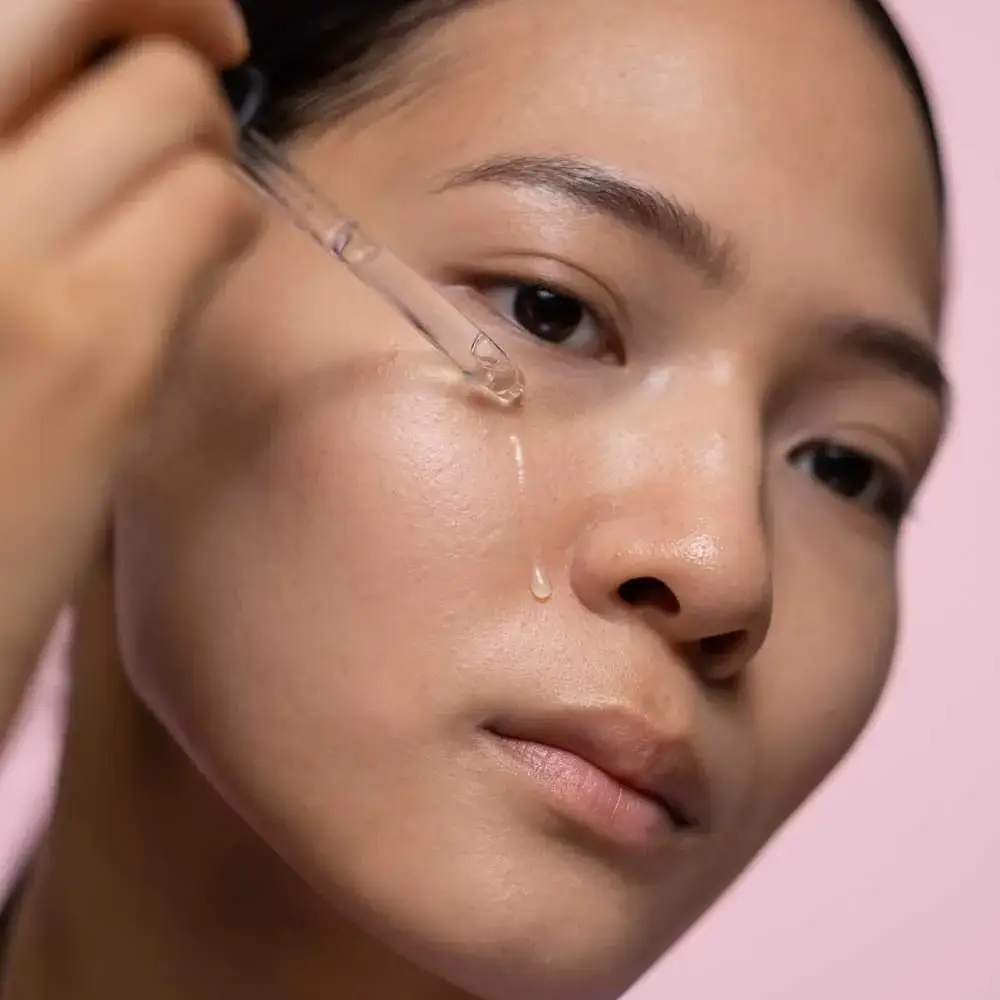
(610, 342)
(881, 491)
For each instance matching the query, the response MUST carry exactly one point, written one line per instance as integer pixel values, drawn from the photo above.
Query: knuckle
(186, 67)
(177, 73)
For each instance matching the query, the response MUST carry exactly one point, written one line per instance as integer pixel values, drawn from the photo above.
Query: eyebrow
(599, 189)
(691, 237)
(897, 350)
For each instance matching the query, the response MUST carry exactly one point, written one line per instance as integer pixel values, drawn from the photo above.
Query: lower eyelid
(615, 352)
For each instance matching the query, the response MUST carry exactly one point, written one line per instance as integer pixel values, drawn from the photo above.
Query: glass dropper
(442, 324)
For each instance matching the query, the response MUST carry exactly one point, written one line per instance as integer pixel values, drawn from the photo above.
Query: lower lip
(589, 796)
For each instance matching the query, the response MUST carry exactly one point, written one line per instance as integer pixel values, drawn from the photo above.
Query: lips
(640, 760)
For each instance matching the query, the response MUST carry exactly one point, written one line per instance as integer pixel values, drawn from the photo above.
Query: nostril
(649, 592)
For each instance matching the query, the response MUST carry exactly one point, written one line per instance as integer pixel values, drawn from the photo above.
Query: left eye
(854, 476)
(551, 316)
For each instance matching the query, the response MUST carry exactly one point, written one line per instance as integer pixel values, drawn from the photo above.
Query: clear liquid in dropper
(496, 374)
(541, 585)
(483, 362)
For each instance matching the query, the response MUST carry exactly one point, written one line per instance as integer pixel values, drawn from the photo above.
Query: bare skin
(283, 776)
(98, 266)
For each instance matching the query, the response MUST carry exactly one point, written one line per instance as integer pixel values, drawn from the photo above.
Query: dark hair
(325, 58)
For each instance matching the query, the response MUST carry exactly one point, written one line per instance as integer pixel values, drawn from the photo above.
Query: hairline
(382, 74)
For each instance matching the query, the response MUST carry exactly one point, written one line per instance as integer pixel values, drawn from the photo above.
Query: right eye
(553, 317)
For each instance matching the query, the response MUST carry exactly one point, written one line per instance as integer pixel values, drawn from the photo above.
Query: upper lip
(627, 748)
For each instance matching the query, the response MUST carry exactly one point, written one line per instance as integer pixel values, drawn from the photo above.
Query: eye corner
(857, 477)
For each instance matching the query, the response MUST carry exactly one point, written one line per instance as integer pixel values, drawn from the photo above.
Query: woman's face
(326, 552)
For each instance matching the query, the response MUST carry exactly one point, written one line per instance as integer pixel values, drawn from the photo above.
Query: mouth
(610, 771)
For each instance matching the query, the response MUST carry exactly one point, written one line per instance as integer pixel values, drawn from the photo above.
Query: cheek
(367, 521)
(823, 669)
(322, 539)
(312, 449)
(391, 501)
(310, 554)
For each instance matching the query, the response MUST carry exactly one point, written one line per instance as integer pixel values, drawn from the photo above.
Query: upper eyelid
(598, 189)
(886, 345)
(900, 478)
(897, 485)
(615, 341)
(888, 448)
(560, 273)
(605, 318)
(901, 459)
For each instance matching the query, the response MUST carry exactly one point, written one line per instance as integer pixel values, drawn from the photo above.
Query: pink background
(887, 886)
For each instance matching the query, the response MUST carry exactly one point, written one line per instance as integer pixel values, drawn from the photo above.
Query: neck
(148, 885)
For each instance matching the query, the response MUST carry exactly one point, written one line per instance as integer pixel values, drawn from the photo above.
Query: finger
(129, 117)
(143, 270)
(44, 43)
(81, 358)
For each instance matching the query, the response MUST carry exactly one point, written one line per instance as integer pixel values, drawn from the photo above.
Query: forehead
(784, 121)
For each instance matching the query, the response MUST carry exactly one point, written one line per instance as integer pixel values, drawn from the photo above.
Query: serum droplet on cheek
(541, 585)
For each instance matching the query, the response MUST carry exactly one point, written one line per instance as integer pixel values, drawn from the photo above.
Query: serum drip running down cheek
(541, 586)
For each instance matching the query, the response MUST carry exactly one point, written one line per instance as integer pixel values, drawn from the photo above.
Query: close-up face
(522, 689)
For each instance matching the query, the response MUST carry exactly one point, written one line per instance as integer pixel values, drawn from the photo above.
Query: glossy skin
(321, 557)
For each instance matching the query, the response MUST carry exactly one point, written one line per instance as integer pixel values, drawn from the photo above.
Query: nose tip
(709, 599)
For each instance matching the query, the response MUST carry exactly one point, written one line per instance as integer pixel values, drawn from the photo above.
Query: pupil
(844, 471)
(547, 314)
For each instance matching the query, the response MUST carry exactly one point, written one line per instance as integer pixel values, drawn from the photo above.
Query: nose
(703, 581)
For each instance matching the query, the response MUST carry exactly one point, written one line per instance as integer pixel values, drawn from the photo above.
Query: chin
(501, 908)
(522, 941)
